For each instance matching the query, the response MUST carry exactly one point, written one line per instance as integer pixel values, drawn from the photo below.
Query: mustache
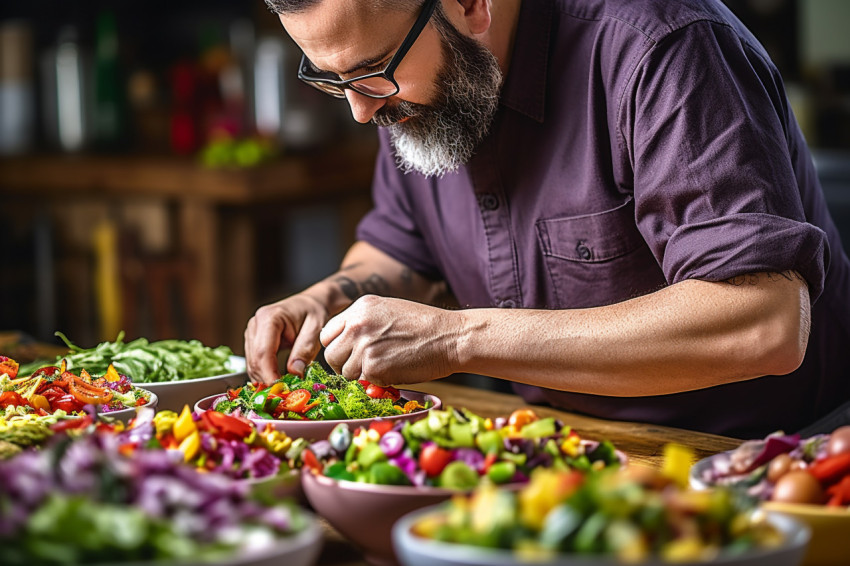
(391, 115)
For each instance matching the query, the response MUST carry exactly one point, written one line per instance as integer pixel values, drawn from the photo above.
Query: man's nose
(363, 107)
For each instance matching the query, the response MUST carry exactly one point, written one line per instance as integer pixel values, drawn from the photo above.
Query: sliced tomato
(87, 393)
(9, 367)
(227, 425)
(310, 461)
(296, 401)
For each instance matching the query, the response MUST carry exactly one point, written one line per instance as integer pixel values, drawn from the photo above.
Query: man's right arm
(295, 322)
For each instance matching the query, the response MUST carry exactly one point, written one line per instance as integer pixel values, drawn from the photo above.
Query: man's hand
(294, 323)
(392, 341)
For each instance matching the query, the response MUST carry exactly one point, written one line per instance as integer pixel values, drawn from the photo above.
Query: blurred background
(163, 171)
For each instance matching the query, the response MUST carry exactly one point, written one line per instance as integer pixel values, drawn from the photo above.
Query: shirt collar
(525, 86)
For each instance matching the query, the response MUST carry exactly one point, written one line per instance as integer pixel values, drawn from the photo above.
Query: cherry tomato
(296, 401)
(375, 391)
(433, 459)
(391, 392)
(364, 383)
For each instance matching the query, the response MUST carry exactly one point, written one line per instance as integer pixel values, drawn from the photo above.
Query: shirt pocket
(597, 259)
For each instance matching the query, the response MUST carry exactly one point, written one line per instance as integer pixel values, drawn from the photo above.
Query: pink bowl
(365, 513)
(319, 430)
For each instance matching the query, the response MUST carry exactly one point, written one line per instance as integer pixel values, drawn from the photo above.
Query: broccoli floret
(226, 407)
(358, 405)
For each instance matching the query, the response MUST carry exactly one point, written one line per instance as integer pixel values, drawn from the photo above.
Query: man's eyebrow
(365, 63)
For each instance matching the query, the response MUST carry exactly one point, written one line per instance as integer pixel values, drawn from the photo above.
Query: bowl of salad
(86, 500)
(266, 459)
(49, 389)
(179, 372)
(310, 407)
(807, 478)
(563, 518)
(387, 470)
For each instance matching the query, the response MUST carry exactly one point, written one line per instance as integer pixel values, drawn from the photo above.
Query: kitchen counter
(643, 443)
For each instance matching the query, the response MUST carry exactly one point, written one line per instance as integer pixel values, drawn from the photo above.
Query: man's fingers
(332, 329)
(306, 347)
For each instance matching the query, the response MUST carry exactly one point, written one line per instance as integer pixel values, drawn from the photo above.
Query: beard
(437, 138)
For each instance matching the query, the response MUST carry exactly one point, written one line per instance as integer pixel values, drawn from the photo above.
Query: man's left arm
(690, 335)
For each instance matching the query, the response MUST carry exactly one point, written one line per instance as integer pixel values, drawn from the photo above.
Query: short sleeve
(707, 128)
(391, 224)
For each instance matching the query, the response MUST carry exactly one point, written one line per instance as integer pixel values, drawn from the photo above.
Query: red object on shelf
(184, 119)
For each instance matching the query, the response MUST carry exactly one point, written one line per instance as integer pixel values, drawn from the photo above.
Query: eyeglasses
(374, 85)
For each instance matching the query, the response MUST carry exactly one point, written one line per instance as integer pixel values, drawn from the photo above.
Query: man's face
(449, 83)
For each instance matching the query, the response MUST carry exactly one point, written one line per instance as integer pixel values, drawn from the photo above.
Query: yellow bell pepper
(184, 426)
(190, 445)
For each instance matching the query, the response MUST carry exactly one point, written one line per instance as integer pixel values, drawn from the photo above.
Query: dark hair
(295, 6)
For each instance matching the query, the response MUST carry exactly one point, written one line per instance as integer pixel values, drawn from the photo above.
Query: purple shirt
(638, 144)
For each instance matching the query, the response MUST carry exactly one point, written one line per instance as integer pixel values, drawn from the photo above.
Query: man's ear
(476, 13)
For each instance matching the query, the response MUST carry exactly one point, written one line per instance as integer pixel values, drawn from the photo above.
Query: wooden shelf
(294, 176)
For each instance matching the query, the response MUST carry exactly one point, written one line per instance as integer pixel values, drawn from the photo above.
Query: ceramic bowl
(302, 549)
(365, 513)
(281, 486)
(174, 395)
(414, 550)
(125, 415)
(319, 430)
(830, 526)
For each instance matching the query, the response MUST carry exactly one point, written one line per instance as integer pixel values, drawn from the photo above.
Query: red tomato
(364, 383)
(391, 392)
(296, 401)
(227, 425)
(12, 399)
(67, 403)
(433, 459)
(375, 391)
(311, 461)
(9, 367)
(382, 427)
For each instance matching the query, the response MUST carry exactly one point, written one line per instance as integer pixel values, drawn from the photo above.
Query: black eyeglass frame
(387, 73)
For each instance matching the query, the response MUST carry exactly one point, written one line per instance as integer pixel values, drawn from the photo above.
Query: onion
(391, 443)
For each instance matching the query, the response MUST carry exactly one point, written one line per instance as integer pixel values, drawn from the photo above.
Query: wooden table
(212, 226)
(643, 443)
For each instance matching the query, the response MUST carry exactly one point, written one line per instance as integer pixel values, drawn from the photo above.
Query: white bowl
(413, 550)
(125, 415)
(302, 549)
(174, 395)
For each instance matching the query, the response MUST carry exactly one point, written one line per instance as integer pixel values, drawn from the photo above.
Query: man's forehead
(335, 32)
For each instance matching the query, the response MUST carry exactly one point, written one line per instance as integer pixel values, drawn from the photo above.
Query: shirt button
(488, 201)
(507, 304)
(583, 251)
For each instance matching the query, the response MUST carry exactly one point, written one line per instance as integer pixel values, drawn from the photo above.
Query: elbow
(784, 340)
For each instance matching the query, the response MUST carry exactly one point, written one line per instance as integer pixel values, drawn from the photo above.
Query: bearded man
(616, 192)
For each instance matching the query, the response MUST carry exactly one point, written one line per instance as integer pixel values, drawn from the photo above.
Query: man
(617, 193)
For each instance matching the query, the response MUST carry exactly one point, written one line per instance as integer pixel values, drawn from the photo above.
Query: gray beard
(439, 138)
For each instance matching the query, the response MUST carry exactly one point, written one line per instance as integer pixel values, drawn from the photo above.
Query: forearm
(366, 270)
(690, 335)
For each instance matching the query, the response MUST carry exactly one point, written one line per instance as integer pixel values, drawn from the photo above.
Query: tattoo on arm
(754, 278)
(374, 285)
(348, 287)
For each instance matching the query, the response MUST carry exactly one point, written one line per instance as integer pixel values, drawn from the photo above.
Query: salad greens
(144, 361)
(319, 395)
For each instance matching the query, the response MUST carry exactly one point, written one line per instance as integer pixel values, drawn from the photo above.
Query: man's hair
(295, 6)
